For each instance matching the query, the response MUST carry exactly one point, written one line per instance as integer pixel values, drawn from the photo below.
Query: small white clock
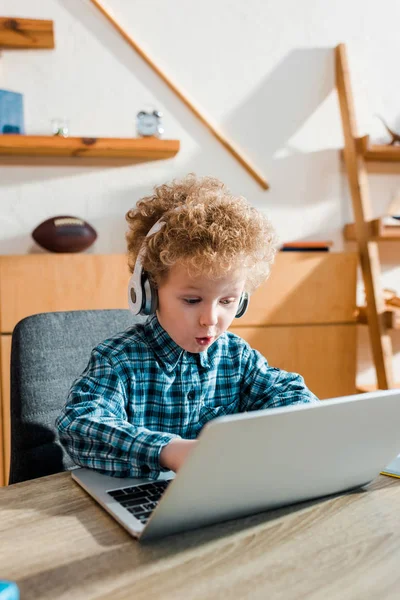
(148, 123)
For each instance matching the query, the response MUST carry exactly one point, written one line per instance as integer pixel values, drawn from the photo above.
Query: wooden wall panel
(52, 282)
(306, 287)
(325, 355)
(39, 283)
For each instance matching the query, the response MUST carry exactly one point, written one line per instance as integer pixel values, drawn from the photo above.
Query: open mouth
(204, 341)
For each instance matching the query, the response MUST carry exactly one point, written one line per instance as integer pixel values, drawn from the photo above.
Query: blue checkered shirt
(140, 390)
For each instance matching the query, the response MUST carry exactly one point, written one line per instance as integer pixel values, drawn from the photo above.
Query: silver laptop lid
(254, 461)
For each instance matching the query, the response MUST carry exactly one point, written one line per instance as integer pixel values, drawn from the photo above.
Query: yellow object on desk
(393, 468)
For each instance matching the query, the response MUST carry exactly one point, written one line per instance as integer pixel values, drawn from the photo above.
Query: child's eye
(227, 301)
(191, 300)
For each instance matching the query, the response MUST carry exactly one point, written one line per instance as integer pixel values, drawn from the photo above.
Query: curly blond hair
(207, 229)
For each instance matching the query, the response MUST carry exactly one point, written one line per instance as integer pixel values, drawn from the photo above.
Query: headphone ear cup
(142, 295)
(135, 294)
(243, 305)
(150, 297)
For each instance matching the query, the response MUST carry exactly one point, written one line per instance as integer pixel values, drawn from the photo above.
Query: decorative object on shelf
(391, 298)
(391, 221)
(11, 129)
(60, 126)
(227, 144)
(64, 234)
(148, 123)
(395, 136)
(11, 112)
(394, 208)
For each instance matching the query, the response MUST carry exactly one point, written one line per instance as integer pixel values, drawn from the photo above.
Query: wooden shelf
(391, 316)
(377, 152)
(26, 33)
(359, 155)
(376, 231)
(372, 387)
(131, 149)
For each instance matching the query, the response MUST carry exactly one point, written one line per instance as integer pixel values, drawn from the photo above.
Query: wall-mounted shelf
(131, 149)
(358, 153)
(39, 150)
(26, 33)
(372, 388)
(377, 152)
(391, 316)
(376, 231)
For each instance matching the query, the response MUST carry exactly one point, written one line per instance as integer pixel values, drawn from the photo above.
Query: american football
(64, 234)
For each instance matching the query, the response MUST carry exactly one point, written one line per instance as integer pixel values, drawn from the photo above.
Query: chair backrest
(48, 352)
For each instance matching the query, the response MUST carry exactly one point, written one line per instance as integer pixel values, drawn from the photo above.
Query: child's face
(196, 311)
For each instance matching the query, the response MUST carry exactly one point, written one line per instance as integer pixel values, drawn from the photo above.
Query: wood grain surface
(26, 33)
(56, 542)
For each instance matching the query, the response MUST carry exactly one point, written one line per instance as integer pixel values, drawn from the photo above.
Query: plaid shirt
(140, 390)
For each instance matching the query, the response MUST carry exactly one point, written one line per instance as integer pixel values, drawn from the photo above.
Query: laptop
(255, 461)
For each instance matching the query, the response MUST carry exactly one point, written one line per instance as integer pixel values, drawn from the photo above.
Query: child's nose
(209, 317)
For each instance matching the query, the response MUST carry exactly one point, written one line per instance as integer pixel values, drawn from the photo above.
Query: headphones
(142, 295)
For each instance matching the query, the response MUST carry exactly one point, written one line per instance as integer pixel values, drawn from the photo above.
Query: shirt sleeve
(268, 387)
(94, 428)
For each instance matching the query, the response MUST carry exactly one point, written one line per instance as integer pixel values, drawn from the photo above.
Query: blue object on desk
(9, 590)
(11, 112)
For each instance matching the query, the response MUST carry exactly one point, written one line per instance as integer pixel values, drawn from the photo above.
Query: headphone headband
(142, 297)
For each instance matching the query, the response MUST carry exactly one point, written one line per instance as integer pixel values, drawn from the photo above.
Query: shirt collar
(166, 350)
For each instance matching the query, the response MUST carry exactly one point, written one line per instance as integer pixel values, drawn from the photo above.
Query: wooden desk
(56, 542)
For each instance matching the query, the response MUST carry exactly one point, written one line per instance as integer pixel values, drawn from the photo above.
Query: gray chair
(48, 352)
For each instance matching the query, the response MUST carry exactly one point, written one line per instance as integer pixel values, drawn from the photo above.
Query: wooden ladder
(367, 231)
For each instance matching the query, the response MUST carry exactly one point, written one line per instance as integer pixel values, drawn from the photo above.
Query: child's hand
(174, 454)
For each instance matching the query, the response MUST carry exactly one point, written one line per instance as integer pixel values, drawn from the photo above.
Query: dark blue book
(11, 112)
(305, 249)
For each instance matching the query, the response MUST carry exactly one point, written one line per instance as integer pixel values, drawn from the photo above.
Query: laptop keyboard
(140, 500)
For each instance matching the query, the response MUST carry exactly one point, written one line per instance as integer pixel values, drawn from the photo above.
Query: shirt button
(191, 395)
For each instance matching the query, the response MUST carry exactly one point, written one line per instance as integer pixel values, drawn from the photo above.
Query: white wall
(263, 71)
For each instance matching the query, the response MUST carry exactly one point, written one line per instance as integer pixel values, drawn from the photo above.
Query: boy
(147, 392)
